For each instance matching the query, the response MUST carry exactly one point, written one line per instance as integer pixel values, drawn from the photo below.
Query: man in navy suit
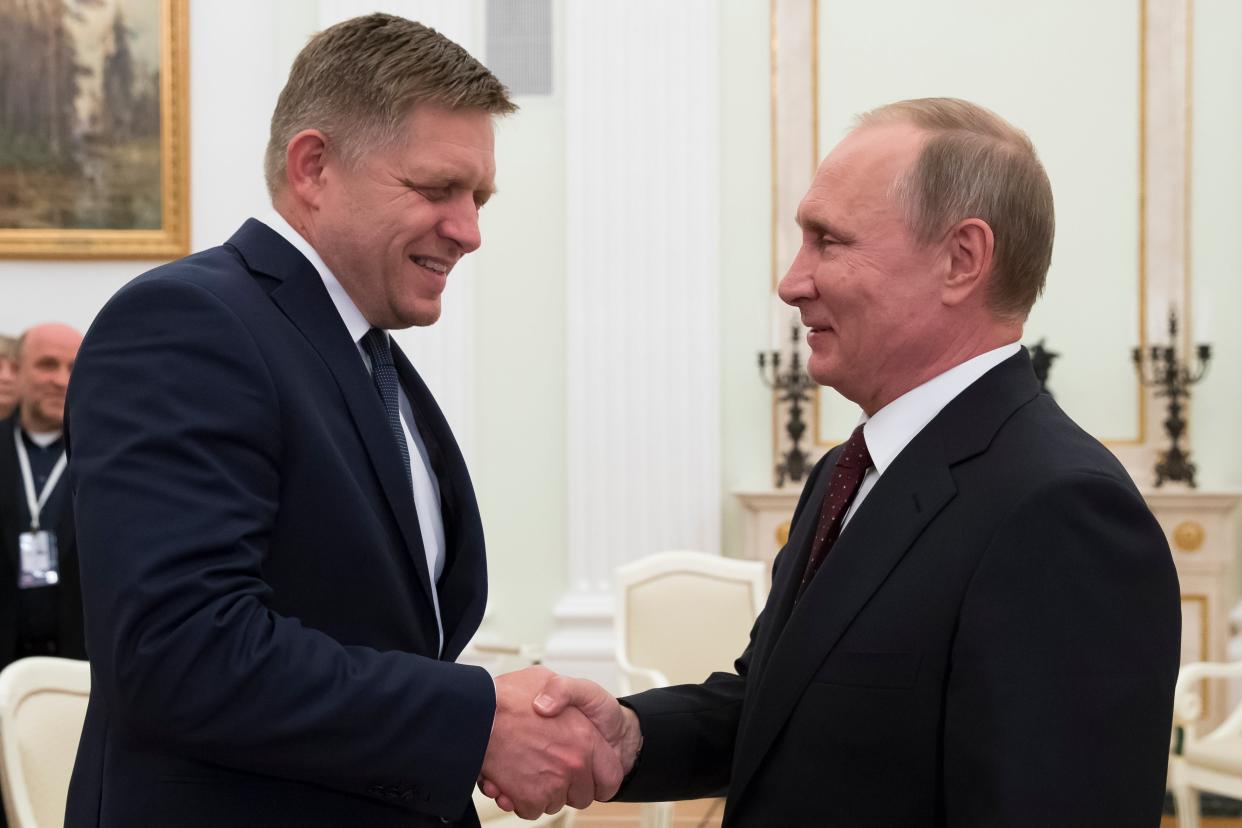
(280, 546)
(975, 622)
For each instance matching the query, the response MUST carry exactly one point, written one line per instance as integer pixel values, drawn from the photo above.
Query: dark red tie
(847, 476)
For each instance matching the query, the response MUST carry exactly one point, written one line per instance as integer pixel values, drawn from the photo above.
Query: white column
(444, 352)
(643, 374)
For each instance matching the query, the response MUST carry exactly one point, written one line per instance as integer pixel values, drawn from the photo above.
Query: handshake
(556, 741)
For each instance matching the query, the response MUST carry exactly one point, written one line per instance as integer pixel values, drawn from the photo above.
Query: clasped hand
(556, 741)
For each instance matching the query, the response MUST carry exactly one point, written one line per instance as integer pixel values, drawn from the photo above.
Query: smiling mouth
(434, 265)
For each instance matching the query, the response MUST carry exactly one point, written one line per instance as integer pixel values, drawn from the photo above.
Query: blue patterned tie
(385, 375)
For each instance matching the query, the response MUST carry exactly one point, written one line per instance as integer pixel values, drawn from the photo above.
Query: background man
(282, 553)
(40, 601)
(975, 621)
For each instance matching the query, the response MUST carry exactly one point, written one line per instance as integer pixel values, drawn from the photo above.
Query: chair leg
(656, 815)
(1186, 800)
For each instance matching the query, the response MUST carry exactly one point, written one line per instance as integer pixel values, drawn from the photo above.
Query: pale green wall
(1216, 238)
(519, 465)
(745, 258)
(519, 461)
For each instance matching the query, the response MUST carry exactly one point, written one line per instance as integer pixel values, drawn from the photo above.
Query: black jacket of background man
(43, 620)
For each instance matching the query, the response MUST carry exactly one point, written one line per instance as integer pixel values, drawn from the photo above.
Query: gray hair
(976, 164)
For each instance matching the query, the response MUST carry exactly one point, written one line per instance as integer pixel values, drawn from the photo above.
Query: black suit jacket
(258, 609)
(992, 642)
(66, 595)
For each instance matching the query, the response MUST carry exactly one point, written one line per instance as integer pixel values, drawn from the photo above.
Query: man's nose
(798, 284)
(461, 224)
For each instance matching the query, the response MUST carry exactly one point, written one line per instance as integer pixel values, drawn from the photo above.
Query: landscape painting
(92, 128)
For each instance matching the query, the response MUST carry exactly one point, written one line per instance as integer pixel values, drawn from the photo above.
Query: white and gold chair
(42, 707)
(1210, 762)
(679, 617)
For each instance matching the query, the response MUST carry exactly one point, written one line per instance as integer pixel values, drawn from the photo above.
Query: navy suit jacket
(992, 641)
(258, 608)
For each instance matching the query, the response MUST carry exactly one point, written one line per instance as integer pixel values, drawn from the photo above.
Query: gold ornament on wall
(782, 534)
(1188, 536)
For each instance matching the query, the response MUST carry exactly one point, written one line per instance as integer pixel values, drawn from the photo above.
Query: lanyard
(36, 504)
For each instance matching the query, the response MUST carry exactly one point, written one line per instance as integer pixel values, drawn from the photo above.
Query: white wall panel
(641, 295)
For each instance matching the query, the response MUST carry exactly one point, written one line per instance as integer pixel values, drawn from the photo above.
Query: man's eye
(434, 193)
(826, 241)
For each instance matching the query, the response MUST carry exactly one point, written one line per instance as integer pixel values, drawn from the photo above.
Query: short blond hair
(359, 80)
(975, 164)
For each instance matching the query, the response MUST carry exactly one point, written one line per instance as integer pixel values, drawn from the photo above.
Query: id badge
(40, 561)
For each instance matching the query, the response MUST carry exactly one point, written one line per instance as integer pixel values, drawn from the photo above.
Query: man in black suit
(975, 621)
(281, 549)
(40, 601)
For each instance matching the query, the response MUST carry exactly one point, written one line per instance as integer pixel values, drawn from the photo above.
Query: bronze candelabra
(1041, 362)
(793, 388)
(1162, 369)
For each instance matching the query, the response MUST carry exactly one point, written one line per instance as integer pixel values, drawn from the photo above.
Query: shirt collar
(892, 427)
(42, 439)
(355, 322)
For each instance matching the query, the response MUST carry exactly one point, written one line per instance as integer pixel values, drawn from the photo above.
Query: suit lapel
(909, 495)
(793, 562)
(462, 592)
(304, 300)
(905, 499)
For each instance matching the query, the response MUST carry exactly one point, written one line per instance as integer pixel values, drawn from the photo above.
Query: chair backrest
(682, 615)
(42, 707)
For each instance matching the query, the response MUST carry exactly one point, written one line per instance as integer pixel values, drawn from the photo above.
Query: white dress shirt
(891, 428)
(426, 489)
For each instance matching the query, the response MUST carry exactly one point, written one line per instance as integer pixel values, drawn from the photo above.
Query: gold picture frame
(63, 204)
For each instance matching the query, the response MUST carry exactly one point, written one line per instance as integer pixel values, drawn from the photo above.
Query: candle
(1201, 322)
(793, 329)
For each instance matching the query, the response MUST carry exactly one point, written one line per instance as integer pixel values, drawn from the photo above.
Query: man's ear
(305, 162)
(970, 245)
